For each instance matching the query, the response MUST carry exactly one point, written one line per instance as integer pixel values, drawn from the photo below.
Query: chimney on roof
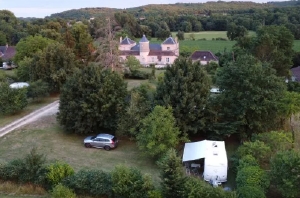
(121, 39)
(6, 46)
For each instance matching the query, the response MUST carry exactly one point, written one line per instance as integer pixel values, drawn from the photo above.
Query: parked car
(102, 140)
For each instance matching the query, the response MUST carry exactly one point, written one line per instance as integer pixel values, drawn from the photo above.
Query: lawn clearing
(296, 45)
(48, 137)
(32, 106)
(131, 83)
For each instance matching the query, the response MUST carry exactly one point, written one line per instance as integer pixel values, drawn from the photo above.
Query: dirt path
(45, 111)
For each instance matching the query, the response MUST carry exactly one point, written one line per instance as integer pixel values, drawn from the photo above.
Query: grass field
(50, 140)
(131, 83)
(296, 46)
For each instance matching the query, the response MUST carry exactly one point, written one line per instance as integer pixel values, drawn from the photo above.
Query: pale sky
(42, 8)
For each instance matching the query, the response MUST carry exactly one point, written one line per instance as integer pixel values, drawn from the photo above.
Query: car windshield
(93, 137)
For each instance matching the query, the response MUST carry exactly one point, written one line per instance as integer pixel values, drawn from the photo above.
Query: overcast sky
(42, 8)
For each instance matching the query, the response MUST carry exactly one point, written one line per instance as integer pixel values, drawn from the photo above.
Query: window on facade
(152, 59)
(168, 48)
(168, 60)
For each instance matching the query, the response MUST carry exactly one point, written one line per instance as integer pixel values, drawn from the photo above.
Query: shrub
(30, 169)
(37, 90)
(258, 149)
(12, 100)
(252, 176)
(129, 182)
(60, 191)
(12, 170)
(246, 161)
(285, 173)
(137, 74)
(90, 182)
(57, 172)
(33, 167)
(250, 192)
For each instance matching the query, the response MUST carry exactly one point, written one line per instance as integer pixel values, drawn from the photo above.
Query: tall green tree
(273, 44)
(28, 46)
(172, 178)
(157, 132)
(53, 65)
(185, 87)
(285, 171)
(83, 41)
(290, 105)
(140, 105)
(250, 94)
(234, 32)
(92, 99)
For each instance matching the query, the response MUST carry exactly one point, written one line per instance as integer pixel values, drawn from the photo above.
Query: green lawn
(214, 46)
(296, 46)
(48, 137)
(131, 83)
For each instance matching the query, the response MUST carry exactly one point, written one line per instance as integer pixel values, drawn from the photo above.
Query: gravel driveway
(45, 111)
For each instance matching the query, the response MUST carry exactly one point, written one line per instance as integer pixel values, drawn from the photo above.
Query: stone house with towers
(148, 53)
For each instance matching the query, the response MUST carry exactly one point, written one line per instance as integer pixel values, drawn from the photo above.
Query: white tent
(215, 158)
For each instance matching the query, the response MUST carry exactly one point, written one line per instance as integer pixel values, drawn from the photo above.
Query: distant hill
(285, 3)
(165, 9)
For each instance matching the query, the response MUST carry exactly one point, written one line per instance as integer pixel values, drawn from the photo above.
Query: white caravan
(215, 158)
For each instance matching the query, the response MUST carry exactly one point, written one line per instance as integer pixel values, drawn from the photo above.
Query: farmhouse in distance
(150, 53)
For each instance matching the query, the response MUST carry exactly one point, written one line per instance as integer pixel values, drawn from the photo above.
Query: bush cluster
(137, 74)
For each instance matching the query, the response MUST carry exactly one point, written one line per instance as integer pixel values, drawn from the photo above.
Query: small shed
(215, 158)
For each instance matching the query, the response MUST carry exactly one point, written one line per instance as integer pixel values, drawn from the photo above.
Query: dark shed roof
(296, 73)
(204, 56)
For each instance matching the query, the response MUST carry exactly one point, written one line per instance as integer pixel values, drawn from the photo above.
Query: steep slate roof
(296, 73)
(151, 53)
(144, 39)
(127, 41)
(204, 56)
(169, 41)
(152, 46)
(8, 53)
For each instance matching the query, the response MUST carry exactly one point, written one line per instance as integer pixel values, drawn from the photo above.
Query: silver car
(102, 140)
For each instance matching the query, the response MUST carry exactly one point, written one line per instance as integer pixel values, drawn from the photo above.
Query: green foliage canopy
(28, 46)
(53, 65)
(250, 93)
(285, 171)
(157, 132)
(185, 87)
(92, 99)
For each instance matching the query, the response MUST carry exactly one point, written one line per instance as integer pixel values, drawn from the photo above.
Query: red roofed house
(204, 57)
(147, 53)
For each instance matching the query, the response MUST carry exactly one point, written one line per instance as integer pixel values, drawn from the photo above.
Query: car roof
(105, 135)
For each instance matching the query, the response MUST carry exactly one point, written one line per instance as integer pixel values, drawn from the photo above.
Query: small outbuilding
(215, 158)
